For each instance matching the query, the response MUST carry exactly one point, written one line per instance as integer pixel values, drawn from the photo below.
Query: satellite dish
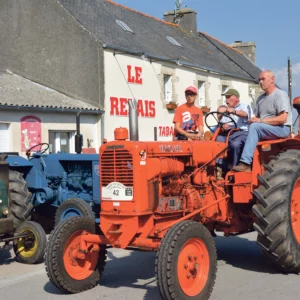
(178, 3)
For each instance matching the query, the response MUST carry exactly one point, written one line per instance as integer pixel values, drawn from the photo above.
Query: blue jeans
(236, 144)
(261, 131)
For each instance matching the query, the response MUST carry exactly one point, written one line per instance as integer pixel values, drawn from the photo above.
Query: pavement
(243, 273)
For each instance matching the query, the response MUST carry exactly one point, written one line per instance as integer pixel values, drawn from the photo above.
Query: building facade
(61, 58)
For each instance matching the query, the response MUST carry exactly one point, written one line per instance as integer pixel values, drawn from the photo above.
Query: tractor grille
(116, 166)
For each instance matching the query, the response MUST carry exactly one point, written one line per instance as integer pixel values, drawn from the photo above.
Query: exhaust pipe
(78, 136)
(133, 120)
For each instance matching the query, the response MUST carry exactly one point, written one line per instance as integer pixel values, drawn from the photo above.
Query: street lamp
(290, 77)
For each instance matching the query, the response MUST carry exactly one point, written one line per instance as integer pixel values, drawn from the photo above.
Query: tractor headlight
(5, 211)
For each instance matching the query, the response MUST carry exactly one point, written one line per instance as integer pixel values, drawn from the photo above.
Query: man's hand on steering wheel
(218, 117)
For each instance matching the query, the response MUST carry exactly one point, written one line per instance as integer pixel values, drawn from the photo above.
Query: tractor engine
(164, 179)
(178, 194)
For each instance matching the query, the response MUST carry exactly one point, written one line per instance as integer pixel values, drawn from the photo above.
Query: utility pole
(290, 79)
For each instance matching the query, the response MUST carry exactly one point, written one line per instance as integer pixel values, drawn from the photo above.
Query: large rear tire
(277, 211)
(64, 269)
(30, 249)
(19, 199)
(73, 207)
(186, 263)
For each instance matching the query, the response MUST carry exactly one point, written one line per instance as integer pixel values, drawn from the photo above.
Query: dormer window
(124, 26)
(173, 41)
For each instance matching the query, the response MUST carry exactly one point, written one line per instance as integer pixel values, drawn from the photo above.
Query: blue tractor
(62, 185)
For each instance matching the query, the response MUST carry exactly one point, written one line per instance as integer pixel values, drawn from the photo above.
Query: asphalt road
(242, 274)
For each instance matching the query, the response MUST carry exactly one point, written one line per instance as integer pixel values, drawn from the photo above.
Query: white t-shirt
(241, 123)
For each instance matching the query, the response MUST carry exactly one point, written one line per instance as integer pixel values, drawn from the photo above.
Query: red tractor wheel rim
(79, 266)
(193, 267)
(295, 210)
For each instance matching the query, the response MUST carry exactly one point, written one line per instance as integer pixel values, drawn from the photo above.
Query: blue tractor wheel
(73, 207)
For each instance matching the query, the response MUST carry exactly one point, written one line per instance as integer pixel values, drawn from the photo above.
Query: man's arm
(278, 120)
(239, 113)
(200, 131)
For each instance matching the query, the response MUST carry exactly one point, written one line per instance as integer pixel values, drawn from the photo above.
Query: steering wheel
(42, 151)
(218, 117)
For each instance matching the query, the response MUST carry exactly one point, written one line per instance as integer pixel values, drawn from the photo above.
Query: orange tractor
(169, 197)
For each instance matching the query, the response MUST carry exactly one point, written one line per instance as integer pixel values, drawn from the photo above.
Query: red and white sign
(31, 133)
(119, 107)
(165, 131)
(134, 76)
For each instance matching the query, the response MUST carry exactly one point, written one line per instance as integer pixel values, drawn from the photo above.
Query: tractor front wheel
(67, 269)
(278, 211)
(186, 262)
(30, 249)
(73, 207)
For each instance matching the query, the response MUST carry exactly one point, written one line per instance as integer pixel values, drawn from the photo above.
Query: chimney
(184, 17)
(247, 48)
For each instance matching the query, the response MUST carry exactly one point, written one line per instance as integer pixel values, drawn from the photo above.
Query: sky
(271, 24)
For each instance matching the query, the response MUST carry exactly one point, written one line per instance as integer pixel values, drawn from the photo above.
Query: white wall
(151, 89)
(89, 128)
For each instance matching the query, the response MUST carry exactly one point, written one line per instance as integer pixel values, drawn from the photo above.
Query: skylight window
(173, 41)
(124, 26)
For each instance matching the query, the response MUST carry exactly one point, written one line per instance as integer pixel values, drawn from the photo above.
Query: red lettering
(138, 73)
(147, 108)
(152, 109)
(164, 131)
(130, 78)
(114, 106)
(140, 108)
(167, 131)
(160, 129)
(119, 107)
(172, 131)
(123, 107)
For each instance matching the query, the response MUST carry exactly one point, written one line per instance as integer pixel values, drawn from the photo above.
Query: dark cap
(231, 92)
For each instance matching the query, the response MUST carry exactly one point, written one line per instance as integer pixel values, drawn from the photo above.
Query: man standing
(188, 118)
(273, 119)
(240, 113)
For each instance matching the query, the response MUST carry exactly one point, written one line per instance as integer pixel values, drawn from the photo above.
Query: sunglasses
(190, 94)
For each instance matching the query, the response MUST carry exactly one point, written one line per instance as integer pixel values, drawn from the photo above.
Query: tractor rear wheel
(67, 270)
(73, 207)
(186, 262)
(19, 198)
(31, 248)
(278, 211)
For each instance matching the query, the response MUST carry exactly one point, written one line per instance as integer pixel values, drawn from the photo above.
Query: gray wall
(41, 41)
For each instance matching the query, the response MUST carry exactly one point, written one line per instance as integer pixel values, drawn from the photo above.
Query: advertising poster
(31, 133)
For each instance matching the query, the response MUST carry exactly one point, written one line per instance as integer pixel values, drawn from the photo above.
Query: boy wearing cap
(240, 113)
(188, 118)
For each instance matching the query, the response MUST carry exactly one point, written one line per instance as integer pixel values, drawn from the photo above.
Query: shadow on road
(243, 253)
(134, 271)
(137, 270)
(5, 255)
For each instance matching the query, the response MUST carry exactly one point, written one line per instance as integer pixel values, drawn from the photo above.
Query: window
(124, 26)
(173, 41)
(224, 89)
(168, 88)
(4, 137)
(201, 93)
(62, 141)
